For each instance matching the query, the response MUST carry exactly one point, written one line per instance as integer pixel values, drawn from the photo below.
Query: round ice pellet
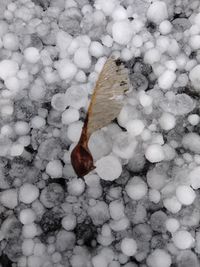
(135, 127)
(157, 12)
(152, 56)
(76, 187)
(167, 121)
(96, 49)
(27, 246)
(165, 27)
(54, 169)
(21, 128)
(70, 115)
(193, 119)
(8, 68)
(159, 258)
(116, 209)
(12, 83)
(172, 225)
(108, 168)
(183, 239)
(59, 102)
(31, 54)
(74, 131)
(28, 193)
(136, 188)
(154, 195)
(38, 122)
(166, 79)
(128, 246)
(122, 32)
(82, 58)
(66, 69)
(69, 222)
(10, 41)
(185, 194)
(154, 153)
(24, 140)
(29, 230)
(172, 204)
(27, 216)
(16, 149)
(119, 13)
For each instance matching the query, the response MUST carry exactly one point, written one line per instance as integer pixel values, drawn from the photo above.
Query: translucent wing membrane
(105, 105)
(106, 101)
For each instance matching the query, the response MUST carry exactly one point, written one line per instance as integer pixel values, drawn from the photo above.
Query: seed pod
(105, 105)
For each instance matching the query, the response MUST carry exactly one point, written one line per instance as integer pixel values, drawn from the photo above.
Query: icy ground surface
(140, 207)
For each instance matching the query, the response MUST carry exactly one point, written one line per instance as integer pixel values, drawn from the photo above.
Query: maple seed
(105, 105)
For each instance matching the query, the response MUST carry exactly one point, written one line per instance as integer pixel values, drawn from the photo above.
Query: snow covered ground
(140, 207)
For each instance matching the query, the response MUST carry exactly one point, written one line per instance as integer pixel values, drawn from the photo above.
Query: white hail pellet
(172, 204)
(74, 131)
(156, 180)
(54, 169)
(122, 32)
(29, 230)
(157, 12)
(27, 247)
(154, 195)
(21, 127)
(24, 140)
(172, 225)
(31, 55)
(59, 102)
(194, 178)
(16, 149)
(8, 68)
(70, 115)
(136, 188)
(27, 216)
(10, 41)
(183, 239)
(194, 76)
(28, 193)
(154, 153)
(167, 121)
(194, 42)
(82, 58)
(9, 198)
(69, 222)
(35, 261)
(38, 122)
(159, 258)
(165, 27)
(135, 127)
(107, 40)
(185, 194)
(66, 69)
(145, 100)
(96, 49)
(108, 168)
(76, 187)
(116, 209)
(128, 246)
(152, 56)
(193, 119)
(106, 6)
(7, 130)
(13, 84)
(166, 79)
(119, 13)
